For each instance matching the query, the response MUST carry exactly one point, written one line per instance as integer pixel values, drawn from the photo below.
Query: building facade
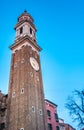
(65, 126)
(3, 110)
(69, 127)
(26, 108)
(61, 124)
(52, 115)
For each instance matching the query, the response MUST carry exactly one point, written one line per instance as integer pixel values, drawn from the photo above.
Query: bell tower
(26, 110)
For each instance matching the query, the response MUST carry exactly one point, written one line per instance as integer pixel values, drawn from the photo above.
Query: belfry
(26, 109)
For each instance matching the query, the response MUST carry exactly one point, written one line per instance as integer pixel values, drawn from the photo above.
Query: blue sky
(60, 26)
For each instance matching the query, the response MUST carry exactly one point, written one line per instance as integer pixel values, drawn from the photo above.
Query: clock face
(34, 63)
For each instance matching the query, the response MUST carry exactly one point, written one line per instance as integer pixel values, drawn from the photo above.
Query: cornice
(20, 41)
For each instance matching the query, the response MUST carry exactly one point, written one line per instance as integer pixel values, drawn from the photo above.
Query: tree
(75, 105)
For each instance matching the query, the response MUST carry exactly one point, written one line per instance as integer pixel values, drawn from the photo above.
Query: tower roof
(25, 17)
(25, 14)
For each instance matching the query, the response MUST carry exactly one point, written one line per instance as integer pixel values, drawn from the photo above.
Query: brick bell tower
(26, 109)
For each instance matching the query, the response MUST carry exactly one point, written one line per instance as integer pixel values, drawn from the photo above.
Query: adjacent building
(3, 110)
(52, 115)
(64, 126)
(61, 124)
(69, 127)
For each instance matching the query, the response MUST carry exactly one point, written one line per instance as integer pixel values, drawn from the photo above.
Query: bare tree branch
(75, 105)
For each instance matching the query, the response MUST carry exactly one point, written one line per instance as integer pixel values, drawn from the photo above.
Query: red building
(52, 116)
(64, 126)
(69, 127)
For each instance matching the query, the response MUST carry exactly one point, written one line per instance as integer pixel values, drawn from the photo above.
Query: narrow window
(56, 117)
(40, 111)
(21, 128)
(2, 112)
(30, 30)
(21, 30)
(48, 113)
(57, 128)
(13, 94)
(2, 126)
(33, 109)
(50, 126)
(22, 90)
